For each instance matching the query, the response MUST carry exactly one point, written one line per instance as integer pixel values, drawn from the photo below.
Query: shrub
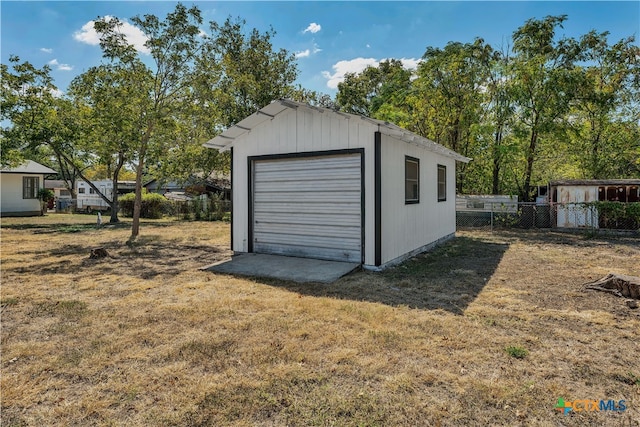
(152, 207)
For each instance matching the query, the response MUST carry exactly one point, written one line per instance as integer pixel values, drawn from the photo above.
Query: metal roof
(29, 167)
(592, 182)
(225, 140)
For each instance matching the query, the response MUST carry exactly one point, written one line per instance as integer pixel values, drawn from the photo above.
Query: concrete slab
(299, 270)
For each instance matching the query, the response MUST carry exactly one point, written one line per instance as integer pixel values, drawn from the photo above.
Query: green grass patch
(516, 352)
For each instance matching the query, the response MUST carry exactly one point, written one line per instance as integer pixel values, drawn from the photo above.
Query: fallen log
(617, 284)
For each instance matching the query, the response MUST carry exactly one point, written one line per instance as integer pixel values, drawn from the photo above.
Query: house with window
(317, 183)
(19, 188)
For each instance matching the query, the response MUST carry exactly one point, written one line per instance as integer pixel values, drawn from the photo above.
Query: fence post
(492, 217)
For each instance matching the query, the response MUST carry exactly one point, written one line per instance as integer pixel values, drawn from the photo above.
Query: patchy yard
(490, 329)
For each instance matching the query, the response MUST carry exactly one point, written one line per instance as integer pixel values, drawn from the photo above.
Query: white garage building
(313, 182)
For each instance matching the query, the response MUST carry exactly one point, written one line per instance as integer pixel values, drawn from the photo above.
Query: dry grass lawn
(489, 329)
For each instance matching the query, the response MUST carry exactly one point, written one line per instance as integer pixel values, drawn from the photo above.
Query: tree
(174, 45)
(606, 109)
(377, 92)
(544, 85)
(447, 97)
(43, 124)
(238, 73)
(107, 96)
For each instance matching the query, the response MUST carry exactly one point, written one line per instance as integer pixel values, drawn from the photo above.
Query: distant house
(63, 198)
(570, 195)
(213, 185)
(19, 189)
(317, 183)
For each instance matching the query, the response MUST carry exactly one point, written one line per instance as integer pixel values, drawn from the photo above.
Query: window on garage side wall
(442, 183)
(411, 180)
(30, 187)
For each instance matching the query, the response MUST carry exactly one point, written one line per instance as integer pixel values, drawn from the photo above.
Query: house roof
(29, 167)
(592, 182)
(225, 140)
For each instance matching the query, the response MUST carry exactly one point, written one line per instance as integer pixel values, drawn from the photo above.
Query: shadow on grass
(448, 278)
(65, 228)
(144, 259)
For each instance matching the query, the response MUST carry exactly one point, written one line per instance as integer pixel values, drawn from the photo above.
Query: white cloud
(368, 45)
(358, 65)
(304, 54)
(46, 50)
(87, 34)
(312, 28)
(341, 68)
(410, 63)
(308, 52)
(202, 33)
(59, 66)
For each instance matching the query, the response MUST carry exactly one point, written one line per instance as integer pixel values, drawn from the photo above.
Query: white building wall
(571, 212)
(409, 227)
(295, 131)
(11, 200)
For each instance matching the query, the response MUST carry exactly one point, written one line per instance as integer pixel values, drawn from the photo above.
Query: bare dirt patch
(489, 329)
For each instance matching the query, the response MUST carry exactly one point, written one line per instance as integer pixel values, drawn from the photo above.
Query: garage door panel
(337, 220)
(298, 190)
(318, 230)
(309, 252)
(308, 207)
(320, 197)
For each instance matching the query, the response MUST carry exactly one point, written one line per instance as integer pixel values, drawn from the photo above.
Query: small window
(442, 183)
(30, 187)
(80, 190)
(411, 180)
(92, 191)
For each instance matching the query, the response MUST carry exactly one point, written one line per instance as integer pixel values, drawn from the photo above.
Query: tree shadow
(449, 278)
(145, 259)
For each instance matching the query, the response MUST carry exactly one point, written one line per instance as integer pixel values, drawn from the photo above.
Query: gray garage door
(308, 207)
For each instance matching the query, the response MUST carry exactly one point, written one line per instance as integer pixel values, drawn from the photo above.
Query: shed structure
(571, 196)
(20, 186)
(313, 182)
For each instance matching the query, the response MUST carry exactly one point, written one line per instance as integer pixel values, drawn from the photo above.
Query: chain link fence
(586, 216)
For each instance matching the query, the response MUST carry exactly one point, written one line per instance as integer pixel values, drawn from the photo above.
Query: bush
(152, 207)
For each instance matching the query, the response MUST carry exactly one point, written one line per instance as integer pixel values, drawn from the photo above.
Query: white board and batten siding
(406, 227)
(308, 207)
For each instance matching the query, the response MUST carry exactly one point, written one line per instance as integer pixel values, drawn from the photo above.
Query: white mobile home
(20, 189)
(89, 200)
(312, 182)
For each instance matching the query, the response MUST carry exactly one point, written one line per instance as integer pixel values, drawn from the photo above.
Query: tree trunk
(531, 155)
(617, 284)
(495, 185)
(137, 204)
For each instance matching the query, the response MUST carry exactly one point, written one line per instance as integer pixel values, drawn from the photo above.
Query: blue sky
(329, 38)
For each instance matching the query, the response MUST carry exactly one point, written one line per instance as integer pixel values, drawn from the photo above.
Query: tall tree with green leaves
(545, 82)
(108, 97)
(240, 72)
(607, 107)
(379, 92)
(42, 124)
(447, 96)
(174, 44)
